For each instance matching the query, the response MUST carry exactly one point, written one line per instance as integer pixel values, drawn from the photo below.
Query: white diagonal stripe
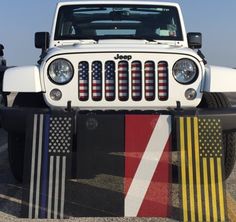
(146, 168)
(39, 167)
(32, 168)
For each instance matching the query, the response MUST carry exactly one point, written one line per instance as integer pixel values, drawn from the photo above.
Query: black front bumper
(15, 119)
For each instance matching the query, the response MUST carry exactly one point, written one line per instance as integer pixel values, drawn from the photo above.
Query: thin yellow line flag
(201, 169)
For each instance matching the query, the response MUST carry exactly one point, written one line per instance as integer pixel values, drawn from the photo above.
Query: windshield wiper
(83, 41)
(144, 37)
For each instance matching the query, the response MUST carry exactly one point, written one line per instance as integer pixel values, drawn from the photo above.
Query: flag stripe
(50, 186)
(206, 192)
(45, 168)
(221, 192)
(56, 194)
(39, 168)
(213, 189)
(146, 169)
(183, 170)
(33, 167)
(197, 165)
(63, 177)
(190, 169)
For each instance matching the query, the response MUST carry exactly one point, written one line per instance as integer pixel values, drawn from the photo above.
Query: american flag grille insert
(97, 81)
(83, 81)
(162, 81)
(149, 70)
(110, 69)
(123, 80)
(136, 72)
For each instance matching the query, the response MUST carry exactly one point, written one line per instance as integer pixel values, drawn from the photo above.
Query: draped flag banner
(147, 173)
(47, 165)
(122, 166)
(201, 167)
(133, 152)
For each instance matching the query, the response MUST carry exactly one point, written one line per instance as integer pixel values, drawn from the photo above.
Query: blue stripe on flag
(43, 210)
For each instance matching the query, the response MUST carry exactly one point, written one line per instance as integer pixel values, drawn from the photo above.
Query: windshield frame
(178, 18)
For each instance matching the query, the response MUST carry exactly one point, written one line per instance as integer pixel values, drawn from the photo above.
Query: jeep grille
(111, 79)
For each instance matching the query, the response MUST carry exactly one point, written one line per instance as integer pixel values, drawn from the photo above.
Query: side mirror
(194, 40)
(41, 40)
(1, 50)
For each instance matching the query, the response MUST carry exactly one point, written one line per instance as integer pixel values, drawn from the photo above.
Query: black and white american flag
(47, 165)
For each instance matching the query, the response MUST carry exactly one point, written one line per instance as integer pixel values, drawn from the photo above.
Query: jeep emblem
(124, 57)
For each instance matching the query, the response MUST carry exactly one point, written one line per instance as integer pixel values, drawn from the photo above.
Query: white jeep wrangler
(116, 55)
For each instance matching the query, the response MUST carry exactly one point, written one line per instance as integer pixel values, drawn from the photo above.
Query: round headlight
(60, 71)
(185, 71)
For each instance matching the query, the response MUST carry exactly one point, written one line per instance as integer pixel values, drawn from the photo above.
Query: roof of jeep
(120, 2)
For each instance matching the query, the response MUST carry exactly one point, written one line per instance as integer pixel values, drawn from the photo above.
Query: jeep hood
(121, 46)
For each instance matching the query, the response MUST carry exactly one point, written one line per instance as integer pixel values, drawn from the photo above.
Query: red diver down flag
(147, 173)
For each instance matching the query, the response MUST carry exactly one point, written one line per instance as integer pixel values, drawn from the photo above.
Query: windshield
(118, 22)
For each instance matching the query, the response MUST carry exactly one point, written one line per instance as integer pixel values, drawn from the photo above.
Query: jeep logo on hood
(125, 57)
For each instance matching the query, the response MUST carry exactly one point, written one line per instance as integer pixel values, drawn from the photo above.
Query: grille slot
(136, 81)
(83, 81)
(110, 82)
(123, 80)
(162, 81)
(149, 72)
(97, 81)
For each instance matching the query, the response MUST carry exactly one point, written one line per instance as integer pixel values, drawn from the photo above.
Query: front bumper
(15, 119)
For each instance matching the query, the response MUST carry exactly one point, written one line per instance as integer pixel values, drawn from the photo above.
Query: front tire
(16, 150)
(3, 100)
(3, 103)
(219, 100)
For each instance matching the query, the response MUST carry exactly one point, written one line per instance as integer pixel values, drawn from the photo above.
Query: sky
(215, 19)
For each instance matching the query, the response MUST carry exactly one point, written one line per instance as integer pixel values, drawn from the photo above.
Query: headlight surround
(60, 71)
(185, 71)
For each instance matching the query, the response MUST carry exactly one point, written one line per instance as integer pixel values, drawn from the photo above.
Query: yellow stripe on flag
(213, 190)
(190, 167)
(198, 178)
(206, 193)
(220, 187)
(183, 170)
